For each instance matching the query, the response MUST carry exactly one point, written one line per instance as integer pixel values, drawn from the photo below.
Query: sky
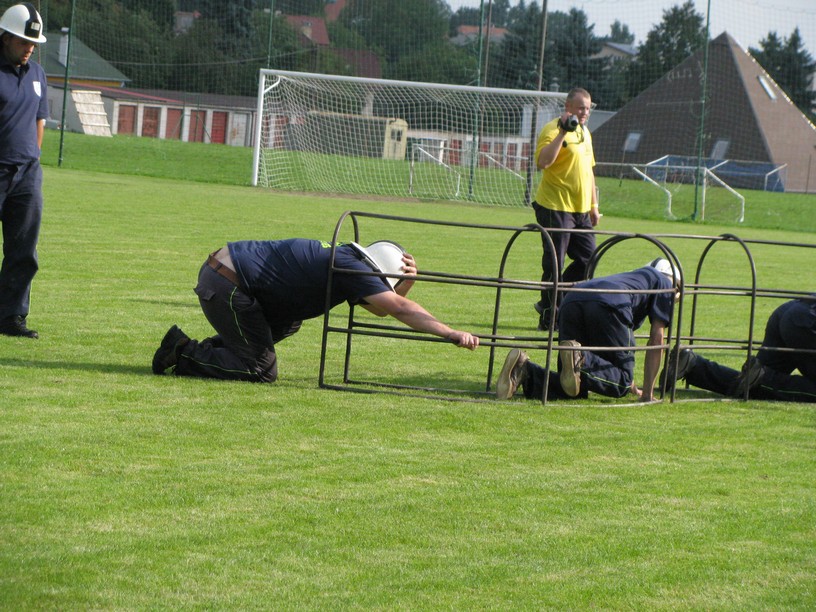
(748, 21)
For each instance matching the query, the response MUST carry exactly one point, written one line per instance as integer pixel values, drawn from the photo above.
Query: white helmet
(665, 267)
(24, 21)
(383, 256)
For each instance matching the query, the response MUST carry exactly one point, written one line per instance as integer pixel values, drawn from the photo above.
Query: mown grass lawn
(121, 489)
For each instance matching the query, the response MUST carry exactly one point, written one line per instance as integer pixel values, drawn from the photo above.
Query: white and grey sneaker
(513, 374)
(571, 363)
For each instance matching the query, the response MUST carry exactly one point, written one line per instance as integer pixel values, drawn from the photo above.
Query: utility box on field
(355, 135)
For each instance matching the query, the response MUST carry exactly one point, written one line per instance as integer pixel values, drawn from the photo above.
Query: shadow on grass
(105, 368)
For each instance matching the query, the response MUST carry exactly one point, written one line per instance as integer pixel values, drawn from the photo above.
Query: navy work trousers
(21, 205)
(244, 345)
(606, 372)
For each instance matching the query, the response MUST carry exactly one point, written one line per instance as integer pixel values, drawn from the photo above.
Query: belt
(223, 270)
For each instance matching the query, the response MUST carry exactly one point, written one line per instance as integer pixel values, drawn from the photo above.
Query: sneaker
(167, 354)
(571, 362)
(16, 326)
(748, 377)
(513, 374)
(684, 364)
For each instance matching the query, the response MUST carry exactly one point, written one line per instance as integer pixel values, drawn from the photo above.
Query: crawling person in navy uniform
(23, 111)
(768, 375)
(256, 293)
(601, 319)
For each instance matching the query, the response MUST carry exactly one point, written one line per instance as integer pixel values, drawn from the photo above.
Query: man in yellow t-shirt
(566, 198)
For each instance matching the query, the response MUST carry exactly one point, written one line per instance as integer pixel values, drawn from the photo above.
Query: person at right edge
(566, 197)
(23, 111)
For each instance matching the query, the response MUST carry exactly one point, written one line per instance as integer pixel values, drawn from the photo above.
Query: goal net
(353, 135)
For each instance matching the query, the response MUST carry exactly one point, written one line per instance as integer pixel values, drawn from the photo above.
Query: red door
(218, 133)
(150, 121)
(198, 125)
(173, 129)
(127, 119)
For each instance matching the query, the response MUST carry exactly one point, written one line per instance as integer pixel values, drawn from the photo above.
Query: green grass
(121, 490)
(233, 166)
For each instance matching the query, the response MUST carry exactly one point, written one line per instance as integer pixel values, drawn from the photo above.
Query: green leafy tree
(285, 51)
(791, 66)
(396, 26)
(515, 63)
(466, 15)
(619, 33)
(571, 41)
(500, 13)
(160, 12)
(130, 41)
(233, 22)
(441, 62)
(301, 7)
(676, 37)
(570, 47)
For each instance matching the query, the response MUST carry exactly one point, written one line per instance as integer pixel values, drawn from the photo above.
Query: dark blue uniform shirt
(23, 101)
(289, 278)
(634, 307)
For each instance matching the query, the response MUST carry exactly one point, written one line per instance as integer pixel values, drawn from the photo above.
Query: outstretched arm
(416, 317)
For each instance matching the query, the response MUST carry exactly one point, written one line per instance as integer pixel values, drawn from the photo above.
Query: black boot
(16, 326)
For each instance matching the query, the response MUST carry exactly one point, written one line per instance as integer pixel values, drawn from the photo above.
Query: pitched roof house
(747, 118)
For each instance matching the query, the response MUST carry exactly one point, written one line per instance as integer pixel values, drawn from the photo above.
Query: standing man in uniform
(23, 111)
(566, 197)
(606, 315)
(256, 293)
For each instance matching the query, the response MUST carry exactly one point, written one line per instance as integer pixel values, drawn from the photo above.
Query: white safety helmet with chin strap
(24, 21)
(383, 256)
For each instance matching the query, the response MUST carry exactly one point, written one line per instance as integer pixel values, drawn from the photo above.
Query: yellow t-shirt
(567, 184)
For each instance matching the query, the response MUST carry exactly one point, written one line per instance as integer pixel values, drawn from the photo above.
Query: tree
(466, 15)
(515, 64)
(619, 33)
(233, 21)
(571, 41)
(791, 66)
(679, 35)
(300, 7)
(568, 58)
(436, 63)
(398, 26)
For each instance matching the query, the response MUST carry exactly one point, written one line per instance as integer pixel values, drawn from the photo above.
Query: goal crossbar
(341, 134)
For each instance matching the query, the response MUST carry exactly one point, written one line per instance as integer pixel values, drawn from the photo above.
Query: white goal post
(338, 134)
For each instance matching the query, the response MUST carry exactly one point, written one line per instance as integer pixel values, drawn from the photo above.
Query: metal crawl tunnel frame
(677, 336)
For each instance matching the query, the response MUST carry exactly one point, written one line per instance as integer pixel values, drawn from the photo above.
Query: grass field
(121, 490)
(633, 199)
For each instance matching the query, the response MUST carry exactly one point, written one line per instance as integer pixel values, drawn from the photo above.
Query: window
(632, 142)
(719, 149)
(767, 87)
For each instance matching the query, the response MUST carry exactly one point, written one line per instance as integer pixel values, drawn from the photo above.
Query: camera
(570, 125)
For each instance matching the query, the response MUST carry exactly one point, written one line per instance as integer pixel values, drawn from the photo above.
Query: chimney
(63, 48)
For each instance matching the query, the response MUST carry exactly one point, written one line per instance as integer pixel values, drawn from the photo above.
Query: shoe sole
(570, 379)
(504, 384)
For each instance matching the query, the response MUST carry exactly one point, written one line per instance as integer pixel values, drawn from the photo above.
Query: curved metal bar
(500, 283)
(753, 290)
(678, 282)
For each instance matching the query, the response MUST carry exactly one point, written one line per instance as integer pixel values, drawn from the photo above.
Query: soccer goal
(353, 135)
(677, 176)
